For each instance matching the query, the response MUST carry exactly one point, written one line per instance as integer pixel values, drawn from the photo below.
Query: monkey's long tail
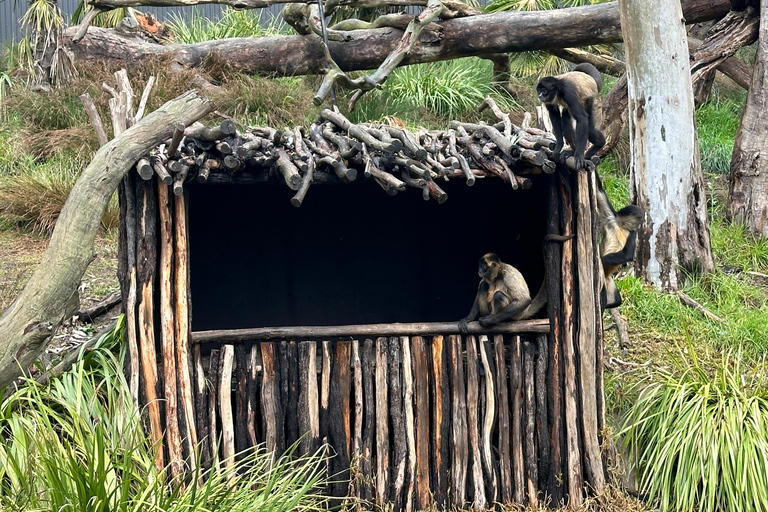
(540, 300)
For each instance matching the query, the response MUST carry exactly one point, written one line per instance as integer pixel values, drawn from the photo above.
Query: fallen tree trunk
(28, 324)
(485, 34)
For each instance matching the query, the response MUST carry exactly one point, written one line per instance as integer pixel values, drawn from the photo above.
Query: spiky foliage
(197, 28)
(700, 438)
(78, 444)
(53, 64)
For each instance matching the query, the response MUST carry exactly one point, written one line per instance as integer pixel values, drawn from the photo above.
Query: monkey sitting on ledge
(502, 295)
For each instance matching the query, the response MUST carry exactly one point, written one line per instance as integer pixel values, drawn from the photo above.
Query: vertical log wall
(461, 420)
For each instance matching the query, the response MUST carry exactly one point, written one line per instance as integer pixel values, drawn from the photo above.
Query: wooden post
(241, 401)
(573, 461)
(271, 402)
(325, 389)
(473, 399)
(490, 464)
(253, 395)
(531, 469)
(369, 427)
(542, 420)
(308, 407)
(127, 274)
(410, 422)
(213, 375)
(399, 444)
(441, 434)
(421, 400)
(338, 418)
(201, 411)
(460, 452)
(172, 435)
(183, 359)
(289, 372)
(357, 431)
(598, 283)
(382, 417)
(516, 387)
(585, 255)
(146, 262)
(502, 404)
(555, 375)
(226, 364)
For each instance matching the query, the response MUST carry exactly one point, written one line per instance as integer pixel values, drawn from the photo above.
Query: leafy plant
(700, 439)
(233, 23)
(78, 444)
(717, 122)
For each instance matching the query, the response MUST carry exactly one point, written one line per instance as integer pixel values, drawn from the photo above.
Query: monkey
(574, 105)
(619, 239)
(503, 294)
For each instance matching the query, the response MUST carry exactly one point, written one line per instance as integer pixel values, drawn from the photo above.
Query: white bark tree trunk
(666, 175)
(748, 195)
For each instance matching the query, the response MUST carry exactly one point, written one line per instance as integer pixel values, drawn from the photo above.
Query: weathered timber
(289, 379)
(399, 445)
(272, 333)
(339, 418)
(596, 288)
(505, 455)
(241, 401)
(382, 418)
(254, 421)
(410, 421)
(93, 115)
(271, 402)
(369, 425)
(146, 255)
(201, 408)
(531, 468)
(542, 417)
(460, 449)
(172, 435)
(367, 49)
(490, 464)
(478, 501)
(516, 388)
(441, 434)
(308, 406)
(99, 308)
(182, 318)
(421, 401)
(573, 460)
(213, 376)
(226, 363)
(357, 478)
(585, 257)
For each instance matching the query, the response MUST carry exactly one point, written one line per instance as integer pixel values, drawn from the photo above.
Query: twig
(688, 301)
(617, 361)
(144, 98)
(621, 327)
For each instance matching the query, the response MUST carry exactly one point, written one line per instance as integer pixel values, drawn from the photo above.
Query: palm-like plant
(52, 63)
(538, 62)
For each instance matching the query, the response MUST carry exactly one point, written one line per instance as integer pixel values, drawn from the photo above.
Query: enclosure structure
(252, 321)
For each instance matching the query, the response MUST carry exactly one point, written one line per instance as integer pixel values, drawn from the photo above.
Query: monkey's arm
(625, 255)
(508, 314)
(557, 126)
(481, 290)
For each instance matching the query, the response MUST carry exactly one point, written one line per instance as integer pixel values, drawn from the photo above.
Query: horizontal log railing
(338, 331)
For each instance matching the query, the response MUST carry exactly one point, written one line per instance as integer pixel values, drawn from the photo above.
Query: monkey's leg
(557, 127)
(580, 140)
(597, 139)
(613, 297)
(508, 314)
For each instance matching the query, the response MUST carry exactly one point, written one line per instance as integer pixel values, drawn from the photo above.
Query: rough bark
(666, 172)
(748, 194)
(28, 324)
(366, 49)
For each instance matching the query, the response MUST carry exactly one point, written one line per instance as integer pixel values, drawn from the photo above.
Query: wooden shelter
(252, 321)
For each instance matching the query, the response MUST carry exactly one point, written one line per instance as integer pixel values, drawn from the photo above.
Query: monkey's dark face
(487, 266)
(547, 89)
(631, 217)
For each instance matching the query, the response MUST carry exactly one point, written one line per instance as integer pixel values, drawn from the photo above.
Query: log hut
(305, 284)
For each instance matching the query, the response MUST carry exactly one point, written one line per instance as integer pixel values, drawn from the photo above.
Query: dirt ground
(19, 255)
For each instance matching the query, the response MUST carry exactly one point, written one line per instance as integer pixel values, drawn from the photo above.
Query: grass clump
(78, 444)
(700, 438)
(717, 121)
(196, 28)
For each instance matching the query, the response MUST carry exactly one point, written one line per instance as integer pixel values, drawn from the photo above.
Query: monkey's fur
(573, 98)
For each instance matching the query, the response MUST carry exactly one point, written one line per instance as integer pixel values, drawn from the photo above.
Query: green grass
(735, 247)
(717, 122)
(195, 28)
(700, 437)
(78, 445)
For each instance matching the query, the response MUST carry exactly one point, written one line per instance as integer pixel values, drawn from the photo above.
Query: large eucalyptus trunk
(748, 195)
(666, 175)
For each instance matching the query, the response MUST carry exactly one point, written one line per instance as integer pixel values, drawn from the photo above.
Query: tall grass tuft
(717, 122)
(78, 445)
(700, 439)
(233, 23)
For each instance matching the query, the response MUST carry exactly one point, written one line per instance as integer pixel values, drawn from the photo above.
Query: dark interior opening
(352, 254)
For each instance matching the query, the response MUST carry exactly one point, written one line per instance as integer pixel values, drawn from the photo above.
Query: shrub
(77, 444)
(700, 439)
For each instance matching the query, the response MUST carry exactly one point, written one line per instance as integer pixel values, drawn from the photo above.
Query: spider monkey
(503, 294)
(574, 105)
(618, 244)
